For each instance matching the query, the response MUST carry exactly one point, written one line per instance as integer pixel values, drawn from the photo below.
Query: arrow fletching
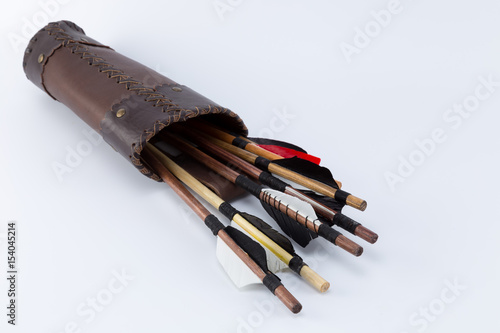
(238, 272)
(325, 201)
(292, 228)
(308, 169)
(270, 232)
(285, 149)
(273, 262)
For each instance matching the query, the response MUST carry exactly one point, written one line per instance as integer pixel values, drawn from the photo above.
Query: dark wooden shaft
(210, 162)
(318, 207)
(241, 164)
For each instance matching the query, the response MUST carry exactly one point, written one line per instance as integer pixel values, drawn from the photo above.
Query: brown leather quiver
(125, 101)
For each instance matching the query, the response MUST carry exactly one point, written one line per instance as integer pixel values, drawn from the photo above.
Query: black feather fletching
(324, 200)
(292, 228)
(251, 247)
(267, 230)
(308, 169)
(263, 141)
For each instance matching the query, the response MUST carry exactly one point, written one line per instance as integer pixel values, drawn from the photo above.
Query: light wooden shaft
(246, 155)
(251, 146)
(315, 185)
(356, 202)
(307, 273)
(189, 180)
(149, 153)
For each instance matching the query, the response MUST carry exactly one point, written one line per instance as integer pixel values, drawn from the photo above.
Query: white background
(259, 59)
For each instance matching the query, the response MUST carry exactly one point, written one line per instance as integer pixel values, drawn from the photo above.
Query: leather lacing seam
(150, 94)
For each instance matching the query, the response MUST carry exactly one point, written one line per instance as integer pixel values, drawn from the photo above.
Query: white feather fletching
(238, 272)
(274, 264)
(303, 208)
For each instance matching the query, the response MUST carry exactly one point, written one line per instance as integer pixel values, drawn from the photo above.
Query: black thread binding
(328, 233)
(341, 196)
(214, 224)
(239, 142)
(262, 163)
(345, 222)
(273, 182)
(227, 210)
(246, 184)
(271, 281)
(296, 264)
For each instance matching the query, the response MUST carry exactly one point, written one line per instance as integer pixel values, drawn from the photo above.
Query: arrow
(291, 259)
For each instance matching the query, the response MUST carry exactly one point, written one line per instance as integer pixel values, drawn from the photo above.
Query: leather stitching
(150, 94)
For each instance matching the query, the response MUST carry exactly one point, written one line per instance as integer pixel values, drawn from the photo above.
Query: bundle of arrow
(151, 120)
(249, 249)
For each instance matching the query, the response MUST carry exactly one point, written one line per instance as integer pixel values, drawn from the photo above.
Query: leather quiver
(125, 101)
